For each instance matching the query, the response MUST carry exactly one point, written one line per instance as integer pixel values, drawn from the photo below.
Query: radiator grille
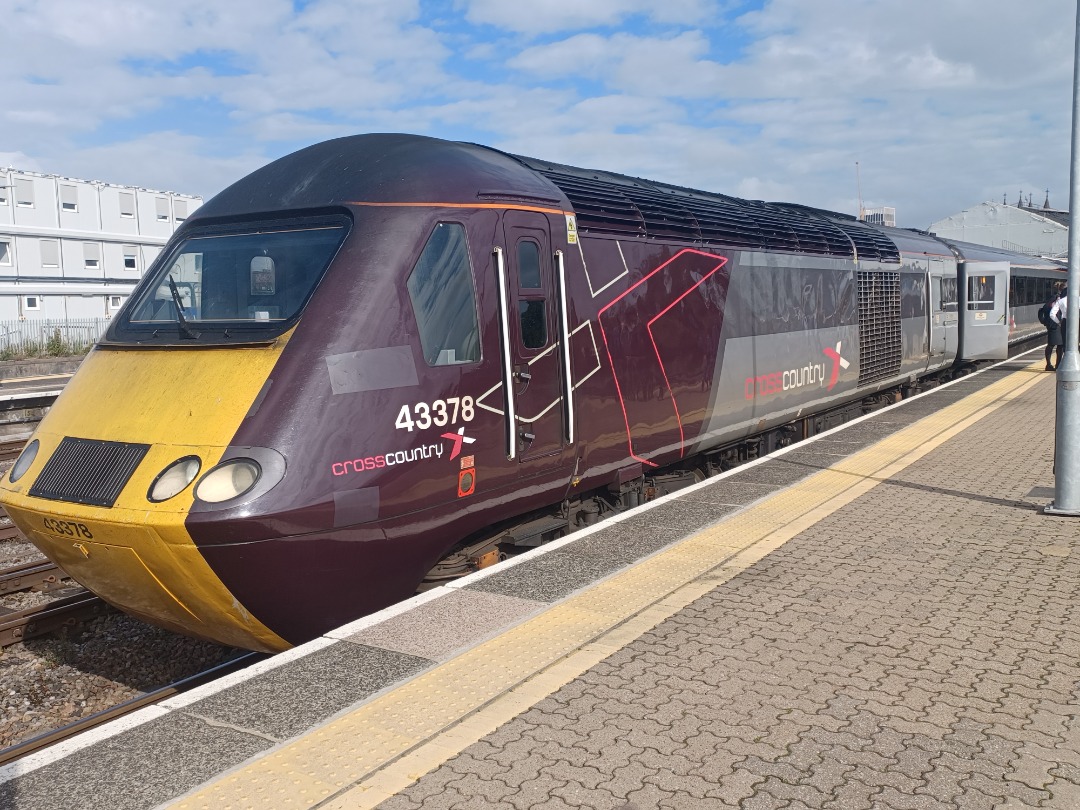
(879, 326)
(88, 471)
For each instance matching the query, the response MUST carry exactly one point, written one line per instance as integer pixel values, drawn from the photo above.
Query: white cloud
(671, 66)
(546, 16)
(941, 101)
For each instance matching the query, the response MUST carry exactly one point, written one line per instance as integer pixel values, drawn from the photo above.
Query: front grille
(88, 471)
(880, 348)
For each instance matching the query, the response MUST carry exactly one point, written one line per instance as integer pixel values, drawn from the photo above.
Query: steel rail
(20, 625)
(41, 574)
(11, 446)
(49, 738)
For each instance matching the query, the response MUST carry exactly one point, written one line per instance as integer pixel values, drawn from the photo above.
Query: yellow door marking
(384, 745)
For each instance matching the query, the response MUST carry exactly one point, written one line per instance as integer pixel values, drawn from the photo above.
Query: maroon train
(387, 358)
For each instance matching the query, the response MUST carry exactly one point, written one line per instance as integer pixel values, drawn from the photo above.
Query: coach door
(943, 312)
(533, 319)
(984, 317)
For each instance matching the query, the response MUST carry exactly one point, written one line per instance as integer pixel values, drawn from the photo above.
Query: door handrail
(507, 368)
(564, 339)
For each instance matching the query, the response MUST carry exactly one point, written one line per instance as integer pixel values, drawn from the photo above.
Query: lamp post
(1067, 431)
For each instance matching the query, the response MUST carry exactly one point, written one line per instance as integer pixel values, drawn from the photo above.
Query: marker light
(25, 459)
(228, 480)
(174, 479)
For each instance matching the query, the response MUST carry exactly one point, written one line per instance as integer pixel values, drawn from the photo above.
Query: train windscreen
(252, 282)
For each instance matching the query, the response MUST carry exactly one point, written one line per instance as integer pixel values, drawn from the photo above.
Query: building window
(131, 261)
(31, 302)
(179, 210)
(5, 252)
(50, 253)
(161, 206)
(91, 255)
(116, 301)
(127, 204)
(69, 198)
(3, 190)
(24, 193)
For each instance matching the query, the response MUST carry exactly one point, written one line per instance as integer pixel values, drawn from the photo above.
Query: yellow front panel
(139, 555)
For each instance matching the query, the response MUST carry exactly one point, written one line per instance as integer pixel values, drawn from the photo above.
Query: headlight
(25, 459)
(174, 479)
(228, 480)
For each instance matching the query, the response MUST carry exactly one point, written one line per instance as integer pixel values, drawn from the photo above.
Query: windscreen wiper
(186, 332)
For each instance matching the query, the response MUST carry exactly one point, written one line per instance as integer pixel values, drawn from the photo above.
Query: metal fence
(46, 337)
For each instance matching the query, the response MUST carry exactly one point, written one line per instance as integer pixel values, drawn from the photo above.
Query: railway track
(20, 625)
(11, 446)
(73, 604)
(40, 575)
(50, 738)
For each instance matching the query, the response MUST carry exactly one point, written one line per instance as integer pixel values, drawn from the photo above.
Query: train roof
(382, 168)
(619, 205)
(986, 253)
(395, 168)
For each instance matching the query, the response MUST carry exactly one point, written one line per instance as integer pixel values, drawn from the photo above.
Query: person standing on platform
(1055, 335)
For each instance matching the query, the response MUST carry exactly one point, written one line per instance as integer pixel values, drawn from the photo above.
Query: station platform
(881, 617)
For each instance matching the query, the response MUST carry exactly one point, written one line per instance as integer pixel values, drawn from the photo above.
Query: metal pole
(1067, 433)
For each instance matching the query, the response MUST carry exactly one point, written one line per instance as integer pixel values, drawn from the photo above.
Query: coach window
(948, 294)
(441, 290)
(981, 292)
(532, 311)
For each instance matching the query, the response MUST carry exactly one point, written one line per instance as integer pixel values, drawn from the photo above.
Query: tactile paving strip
(365, 756)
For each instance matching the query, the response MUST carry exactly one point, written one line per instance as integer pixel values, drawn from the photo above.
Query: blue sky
(943, 103)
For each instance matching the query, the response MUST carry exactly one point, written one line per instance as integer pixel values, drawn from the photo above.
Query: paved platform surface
(918, 648)
(882, 618)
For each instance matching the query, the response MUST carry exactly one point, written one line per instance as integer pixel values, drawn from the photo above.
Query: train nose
(152, 571)
(112, 515)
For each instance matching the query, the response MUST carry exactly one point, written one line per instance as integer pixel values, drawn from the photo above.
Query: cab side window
(532, 309)
(441, 290)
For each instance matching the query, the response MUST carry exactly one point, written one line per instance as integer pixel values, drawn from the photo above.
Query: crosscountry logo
(812, 374)
(838, 363)
(458, 439)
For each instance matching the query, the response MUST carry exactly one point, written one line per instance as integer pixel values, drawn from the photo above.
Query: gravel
(48, 682)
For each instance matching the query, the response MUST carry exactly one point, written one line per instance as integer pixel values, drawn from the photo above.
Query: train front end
(145, 433)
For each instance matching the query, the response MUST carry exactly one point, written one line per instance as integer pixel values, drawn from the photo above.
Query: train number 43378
(439, 413)
(69, 528)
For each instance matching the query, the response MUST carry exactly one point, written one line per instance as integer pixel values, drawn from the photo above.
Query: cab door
(532, 311)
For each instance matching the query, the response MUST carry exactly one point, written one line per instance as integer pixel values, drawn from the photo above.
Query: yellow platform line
(381, 747)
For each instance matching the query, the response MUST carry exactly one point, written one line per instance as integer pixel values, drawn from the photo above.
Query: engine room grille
(880, 348)
(88, 471)
(609, 203)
